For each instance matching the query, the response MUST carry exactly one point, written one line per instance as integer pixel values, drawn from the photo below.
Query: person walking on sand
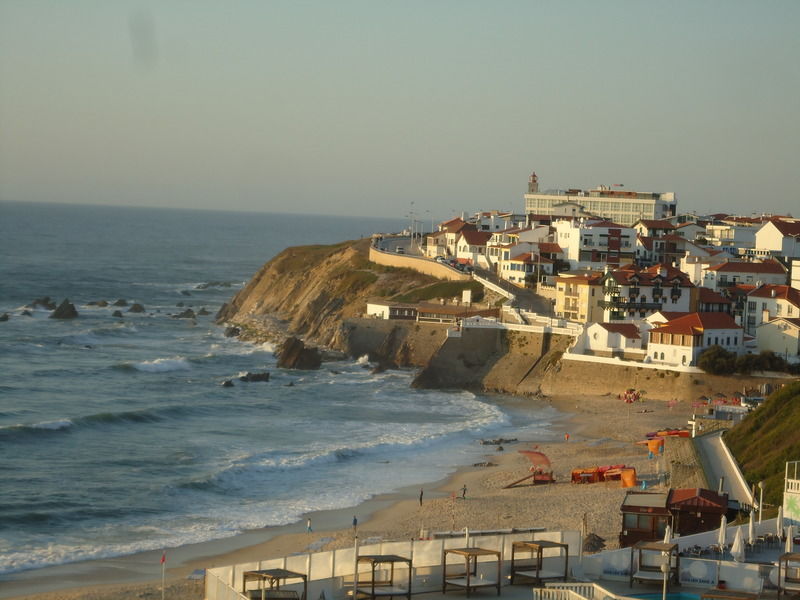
(355, 525)
(420, 496)
(566, 437)
(464, 492)
(308, 526)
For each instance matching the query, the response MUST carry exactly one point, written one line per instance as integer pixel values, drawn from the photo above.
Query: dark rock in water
(290, 384)
(187, 314)
(44, 302)
(227, 383)
(255, 376)
(498, 441)
(26, 313)
(202, 312)
(293, 354)
(180, 305)
(186, 293)
(121, 302)
(136, 308)
(117, 313)
(232, 332)
(4, 317)
(500, 448)
(65, 310)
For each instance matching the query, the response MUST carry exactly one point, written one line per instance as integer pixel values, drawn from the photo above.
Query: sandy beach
(602, 430)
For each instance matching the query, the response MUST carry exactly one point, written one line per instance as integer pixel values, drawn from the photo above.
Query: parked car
(400, 250)
(440, 259)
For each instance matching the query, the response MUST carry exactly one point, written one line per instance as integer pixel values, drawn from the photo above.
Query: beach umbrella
(751, 530)
(779, 521)
(723, 533)
(789, 540)
(668, 535)
(538, 459)
(737, 548)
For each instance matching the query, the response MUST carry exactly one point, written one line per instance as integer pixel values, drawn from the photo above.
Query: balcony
(620, 304)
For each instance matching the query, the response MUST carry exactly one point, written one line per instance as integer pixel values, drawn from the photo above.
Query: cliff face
(313, 289)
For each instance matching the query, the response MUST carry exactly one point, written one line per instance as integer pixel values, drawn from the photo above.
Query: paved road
(716, 465)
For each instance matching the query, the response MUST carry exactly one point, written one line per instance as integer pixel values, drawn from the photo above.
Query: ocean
(115, 434)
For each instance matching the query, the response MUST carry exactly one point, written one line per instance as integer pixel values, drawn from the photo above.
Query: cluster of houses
(661, 288)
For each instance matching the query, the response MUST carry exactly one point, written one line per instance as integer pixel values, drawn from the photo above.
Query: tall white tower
(533, 184)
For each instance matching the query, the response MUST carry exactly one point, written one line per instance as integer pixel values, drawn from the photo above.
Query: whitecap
(362, 360)
(162, 365)
(54, 425)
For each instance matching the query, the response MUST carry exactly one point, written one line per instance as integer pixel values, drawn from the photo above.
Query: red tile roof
(695, 323)
(475, 238)
(605, 223)
(656, 223)
(707, 296)
(636, 276)
(782, 292)
(795, 322)
(790, 228)
(767, 267)
(550, 247)
(531, 259)
(693, 498)
(628, 330)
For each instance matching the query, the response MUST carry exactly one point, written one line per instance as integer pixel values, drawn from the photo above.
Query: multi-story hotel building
(623, 207)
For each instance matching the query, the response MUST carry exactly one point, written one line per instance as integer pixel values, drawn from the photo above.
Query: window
(751, 305)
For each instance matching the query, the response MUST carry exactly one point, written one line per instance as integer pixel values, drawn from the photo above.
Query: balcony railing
(622, 305)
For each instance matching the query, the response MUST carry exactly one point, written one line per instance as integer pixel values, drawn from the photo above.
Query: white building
(613, 339)
(633, 293)
(681, 340)
(722, 275)
(781, 336)
(624, 207)
(768, 302)
(731, 237)
(591, 244)
(780, 238)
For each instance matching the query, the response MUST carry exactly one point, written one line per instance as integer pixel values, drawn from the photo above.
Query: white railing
(584, 589)
(629, 363)
(494, 287)
(556, 594)
(330, 571)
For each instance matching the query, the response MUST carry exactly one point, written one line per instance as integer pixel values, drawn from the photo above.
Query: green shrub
(717, 361)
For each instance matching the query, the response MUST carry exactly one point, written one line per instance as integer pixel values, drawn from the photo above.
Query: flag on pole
(164, 557)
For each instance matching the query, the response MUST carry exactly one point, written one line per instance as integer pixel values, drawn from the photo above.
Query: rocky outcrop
(314, 289)
(117, 313)
(293, 354)
(4, 317)
(65, 310)
(186, 314)
(121, 302)
(136, 308)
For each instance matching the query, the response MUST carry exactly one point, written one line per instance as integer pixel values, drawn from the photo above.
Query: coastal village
(628, 274)
(569, 301)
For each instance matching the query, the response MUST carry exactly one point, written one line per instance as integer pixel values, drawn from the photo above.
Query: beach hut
(646, 561)
(695, 510)
(527, 561)
(382, 584)
(645, 517)
(466, 577)
(269, 584)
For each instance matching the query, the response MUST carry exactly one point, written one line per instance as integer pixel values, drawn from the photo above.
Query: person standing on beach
(308, 526)
(464, 492)
(355, 525)
(420, 496)
(566, 437)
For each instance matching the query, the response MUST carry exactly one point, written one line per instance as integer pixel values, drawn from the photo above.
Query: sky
(386, 108)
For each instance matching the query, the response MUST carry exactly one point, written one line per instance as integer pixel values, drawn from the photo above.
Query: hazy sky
(345, 107)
